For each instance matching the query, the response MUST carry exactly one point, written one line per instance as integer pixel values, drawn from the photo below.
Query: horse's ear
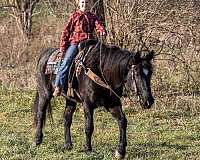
(137, 57)
(150, 55)
(135, 60)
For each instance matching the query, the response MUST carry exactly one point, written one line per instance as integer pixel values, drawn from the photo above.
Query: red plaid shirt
(80, 27)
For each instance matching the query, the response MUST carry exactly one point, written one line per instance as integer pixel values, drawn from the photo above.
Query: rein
(95, 78)
(101, 42)
(92, 75)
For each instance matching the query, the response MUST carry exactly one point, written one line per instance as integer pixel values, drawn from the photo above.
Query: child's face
(84, 5)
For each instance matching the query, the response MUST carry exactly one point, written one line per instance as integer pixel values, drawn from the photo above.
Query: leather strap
(96, 78)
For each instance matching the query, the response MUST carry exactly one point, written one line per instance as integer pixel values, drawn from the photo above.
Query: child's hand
(62, 54)
(103, 34)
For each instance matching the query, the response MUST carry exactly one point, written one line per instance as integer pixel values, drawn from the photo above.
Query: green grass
(169, 130)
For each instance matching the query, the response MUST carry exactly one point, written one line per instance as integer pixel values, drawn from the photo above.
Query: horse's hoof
(68, 146)
(86, 150)
(38, 140)
(118, 155)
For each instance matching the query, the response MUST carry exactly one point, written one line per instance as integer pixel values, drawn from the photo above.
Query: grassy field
(169, 130)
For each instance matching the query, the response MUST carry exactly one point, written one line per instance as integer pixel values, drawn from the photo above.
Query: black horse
(115, 67)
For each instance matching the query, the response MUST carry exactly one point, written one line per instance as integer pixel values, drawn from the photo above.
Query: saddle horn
(86, 43)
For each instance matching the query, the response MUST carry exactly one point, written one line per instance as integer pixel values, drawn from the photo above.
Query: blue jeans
(63, 72)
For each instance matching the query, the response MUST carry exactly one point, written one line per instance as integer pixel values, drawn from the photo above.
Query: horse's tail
(41, 80)
(49, 112)
(35, 108)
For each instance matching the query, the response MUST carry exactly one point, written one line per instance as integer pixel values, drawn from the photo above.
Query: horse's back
(45, 54)
(41, 63)
(87, 43)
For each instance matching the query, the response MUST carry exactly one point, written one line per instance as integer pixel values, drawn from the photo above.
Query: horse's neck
(110, 65)
(115, 74)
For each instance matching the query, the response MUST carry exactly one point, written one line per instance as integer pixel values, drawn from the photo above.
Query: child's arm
(64, 42)
(99, 26)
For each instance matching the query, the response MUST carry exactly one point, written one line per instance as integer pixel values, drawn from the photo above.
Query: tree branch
(8, 6)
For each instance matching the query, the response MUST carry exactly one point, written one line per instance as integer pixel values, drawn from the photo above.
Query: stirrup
(70, 91)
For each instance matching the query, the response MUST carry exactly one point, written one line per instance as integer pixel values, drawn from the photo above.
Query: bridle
(145, 71)
(133, 78)
(134, 83)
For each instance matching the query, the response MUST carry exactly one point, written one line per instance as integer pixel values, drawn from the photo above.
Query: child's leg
(65, 66)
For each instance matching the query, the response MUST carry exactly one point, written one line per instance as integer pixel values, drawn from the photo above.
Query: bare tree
(99, 9)
(22, 11)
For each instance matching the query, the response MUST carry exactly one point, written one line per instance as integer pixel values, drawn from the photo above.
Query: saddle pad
(54, 62)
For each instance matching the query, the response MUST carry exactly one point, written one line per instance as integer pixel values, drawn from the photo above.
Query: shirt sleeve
(68, 29)
(99, 26)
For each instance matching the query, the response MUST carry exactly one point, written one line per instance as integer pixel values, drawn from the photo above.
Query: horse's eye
(145, 71)
(134, 67)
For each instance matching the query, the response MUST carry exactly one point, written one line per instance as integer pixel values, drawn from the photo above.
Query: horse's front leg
(118, 114)
(89, 126)
(69, 110)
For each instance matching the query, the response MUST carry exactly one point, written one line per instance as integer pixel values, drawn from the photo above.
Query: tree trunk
(99, 10)
(27, 12)
(22, 10)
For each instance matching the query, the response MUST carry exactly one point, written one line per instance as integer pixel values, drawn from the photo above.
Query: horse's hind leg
(44, 102)
(69, 110)
(118, 114)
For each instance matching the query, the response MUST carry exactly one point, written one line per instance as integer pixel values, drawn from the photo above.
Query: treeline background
(171, 28)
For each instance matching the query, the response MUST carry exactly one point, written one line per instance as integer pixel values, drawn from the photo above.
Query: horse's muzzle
(148, 103)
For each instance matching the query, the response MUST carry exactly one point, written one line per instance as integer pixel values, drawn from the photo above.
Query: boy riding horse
(80, 27)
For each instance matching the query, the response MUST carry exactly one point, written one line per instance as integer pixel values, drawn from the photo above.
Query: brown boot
(57, 92)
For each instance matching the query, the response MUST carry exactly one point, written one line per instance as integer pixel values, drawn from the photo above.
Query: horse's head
(139, 77)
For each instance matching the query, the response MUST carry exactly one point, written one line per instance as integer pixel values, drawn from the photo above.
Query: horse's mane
(113, 63)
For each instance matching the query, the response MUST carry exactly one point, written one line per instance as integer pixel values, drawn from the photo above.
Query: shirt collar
(81, 12)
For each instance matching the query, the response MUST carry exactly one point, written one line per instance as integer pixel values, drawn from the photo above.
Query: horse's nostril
(152, 100)
(149, 102)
